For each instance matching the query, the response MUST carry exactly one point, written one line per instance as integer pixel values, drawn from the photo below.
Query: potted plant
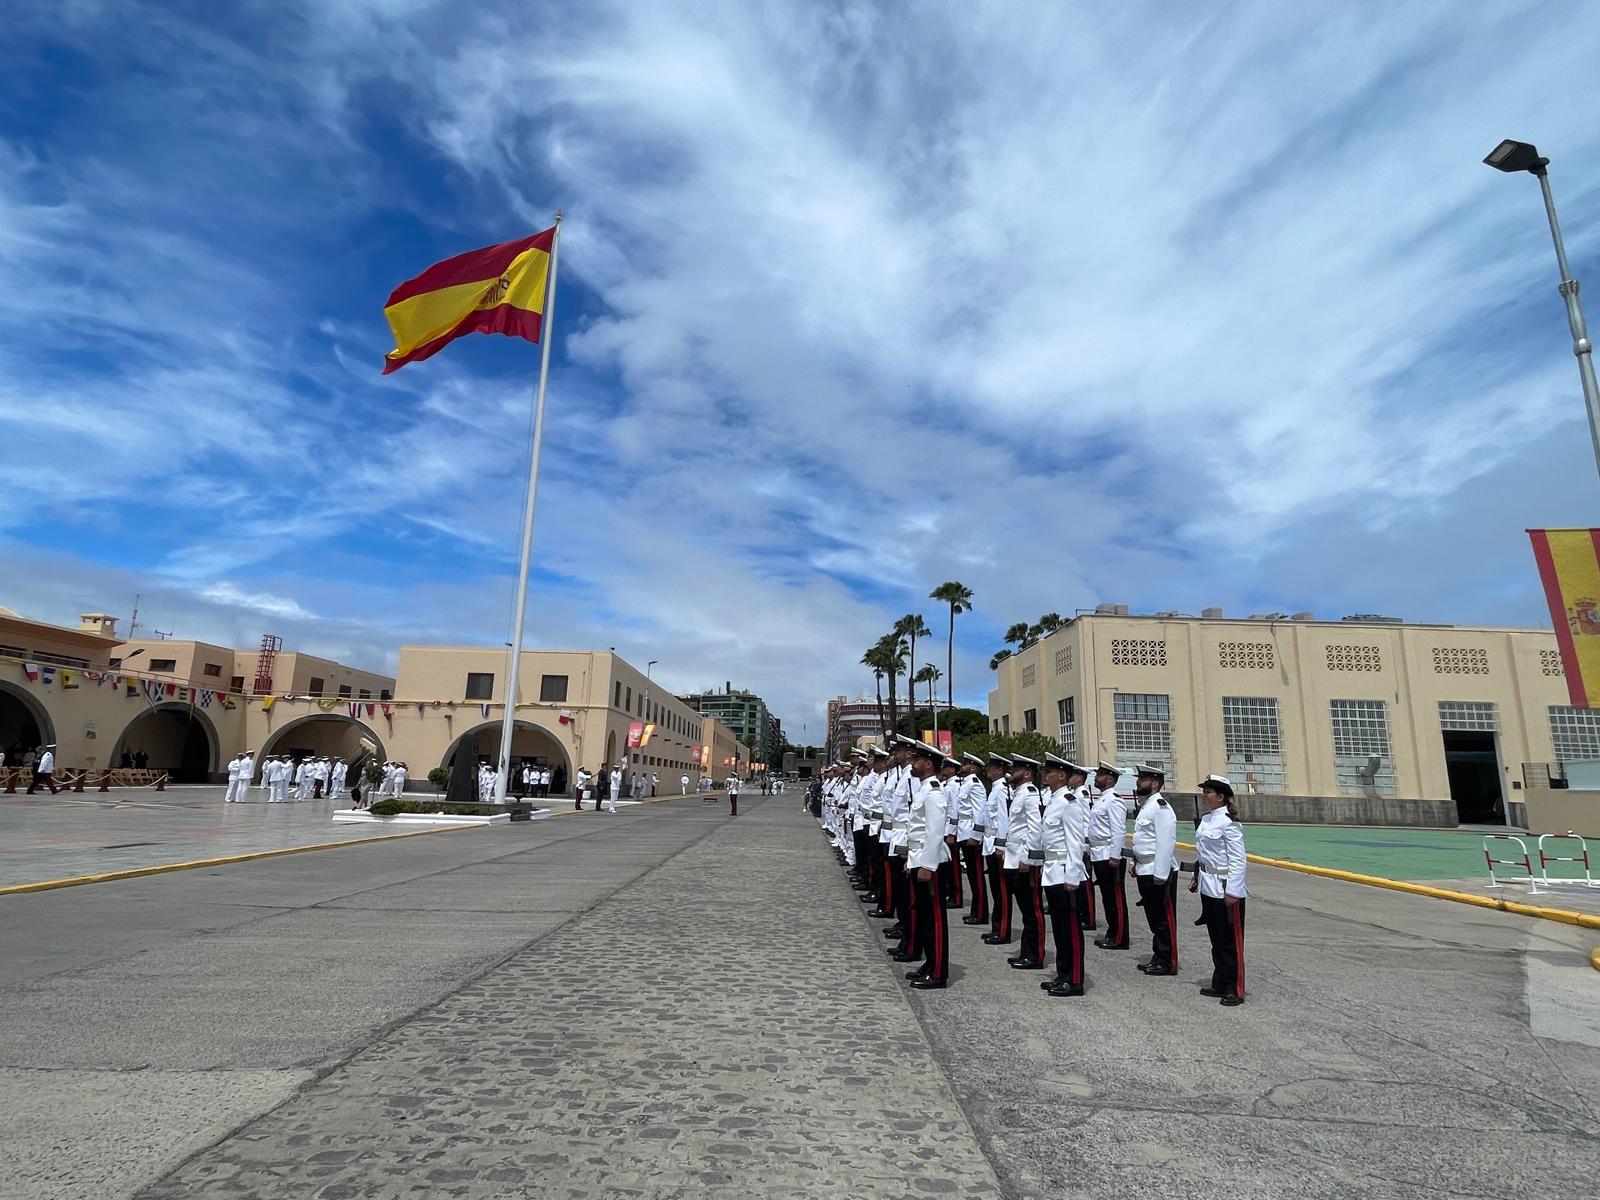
(440, 778)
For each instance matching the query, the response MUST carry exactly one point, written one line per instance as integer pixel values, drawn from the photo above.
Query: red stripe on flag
(503, 318)
(485, 264)
(1558, 616)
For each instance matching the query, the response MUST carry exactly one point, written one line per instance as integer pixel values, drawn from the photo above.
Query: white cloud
(261, 602)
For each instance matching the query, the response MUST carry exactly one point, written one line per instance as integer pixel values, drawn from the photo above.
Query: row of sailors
(909, 820)
(311, 778)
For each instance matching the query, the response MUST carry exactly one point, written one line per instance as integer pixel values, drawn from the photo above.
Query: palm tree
(874, 658)
(1050, 622)
(959, 597)
(1017, 634)
(912, 626)
(1035, 632)
(930, 675)
(894, 665)
(999, 657)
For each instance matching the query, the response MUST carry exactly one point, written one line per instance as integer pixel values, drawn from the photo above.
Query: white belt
(1057, 856)
(1221, 875)
(1100, 841)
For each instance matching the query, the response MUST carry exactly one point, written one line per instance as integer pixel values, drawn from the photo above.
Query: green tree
(959, 597)
(876, 660)
(1050, 622)
(930, 675)
(962, 722)
(999, 657)
(1017, 635)
(911, 627)
(1029, 742)
(894, 665)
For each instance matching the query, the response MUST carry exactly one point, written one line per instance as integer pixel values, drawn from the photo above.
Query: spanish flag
(499, 289)
(1569, 568)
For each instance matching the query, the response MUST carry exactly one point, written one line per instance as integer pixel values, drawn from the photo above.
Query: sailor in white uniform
(236, 782)
(1024, 855)
(971, 808)
(1108, 836)
(926, 851)
(950, 894)
(995, 839)
(1155, 869)
(1065, 819)
(1220, 866)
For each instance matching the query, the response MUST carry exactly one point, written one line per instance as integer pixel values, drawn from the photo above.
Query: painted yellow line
(1594, 958)
(1564, 915)
(164, 868)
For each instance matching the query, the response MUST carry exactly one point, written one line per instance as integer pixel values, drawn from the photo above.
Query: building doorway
(176, 739)
(1473, 765)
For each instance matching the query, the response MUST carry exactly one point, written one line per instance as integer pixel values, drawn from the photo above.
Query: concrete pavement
(668, 1002)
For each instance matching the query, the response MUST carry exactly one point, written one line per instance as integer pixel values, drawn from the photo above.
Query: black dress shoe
(893, 931)
(1232, 1001)
(1066, 989)
(1020, 963)
(1046, 984)
(922, 974)
(904, 956)
(1158, 969)
(994, 939)
(877, 912)
(974, 920)
(1089, 927)
(1208, 990)
(925, 984)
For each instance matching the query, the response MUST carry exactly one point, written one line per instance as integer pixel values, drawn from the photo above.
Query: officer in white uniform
(1219, 876)
(1155, 869)
(397, 781)
(997, 816)
(1062, 829)
(341, 772)
(236, 781)
(614, 791)
(1108, 836)
(892, 834)
(683, 783)
(926, 851)
(972, 811)
(1024, 856)
(302, 779)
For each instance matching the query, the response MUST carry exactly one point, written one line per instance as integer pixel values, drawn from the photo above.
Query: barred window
(1362, 761)
(1253, 740)
(1460, 660)
(1575, 733)
(1067, 732)
(1474, 715)
(1354, 657)
(1063, 660)
(1138, 652)
(1030, 675)
(1247, 656)
(1144, 728)
(1550, 662)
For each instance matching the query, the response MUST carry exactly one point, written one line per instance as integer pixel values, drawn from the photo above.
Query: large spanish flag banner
(499, 289)
(1569, 566)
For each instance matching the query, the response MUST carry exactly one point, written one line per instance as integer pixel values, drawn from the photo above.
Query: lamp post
(1512, 157)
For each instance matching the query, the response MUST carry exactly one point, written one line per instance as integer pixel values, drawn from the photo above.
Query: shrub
(390, 806)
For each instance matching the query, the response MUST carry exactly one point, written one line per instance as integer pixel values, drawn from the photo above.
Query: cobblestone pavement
(715, 1029)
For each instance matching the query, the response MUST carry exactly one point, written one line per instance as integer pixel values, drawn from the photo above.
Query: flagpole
(514, 650)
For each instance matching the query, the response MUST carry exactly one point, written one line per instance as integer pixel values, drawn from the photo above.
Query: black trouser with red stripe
(905, 910)
(1160, 900)
(932, 930)
(1226, 927)
(1086, 915)
(889, 892)
(1025, 883)
(1111, 874)
(972, 852)
(1000, 893)
(950, 878)
(1067, 930)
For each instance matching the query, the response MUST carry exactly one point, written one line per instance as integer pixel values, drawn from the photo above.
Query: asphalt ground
(667, 1002)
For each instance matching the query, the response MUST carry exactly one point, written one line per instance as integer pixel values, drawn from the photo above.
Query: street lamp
(1512, 157)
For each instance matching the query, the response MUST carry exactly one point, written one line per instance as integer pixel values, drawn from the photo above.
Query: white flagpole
(514, 650)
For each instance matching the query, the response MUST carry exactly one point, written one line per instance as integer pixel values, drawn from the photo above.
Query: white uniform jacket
(1108, 826)
(970, 811)
(1155, 838)
(925, 824)
(1219, 849)
(1066, 818)
(1023, 820)
(896, 809)
(996, 817)
(872, 800)
(235, 770)
(955, 799)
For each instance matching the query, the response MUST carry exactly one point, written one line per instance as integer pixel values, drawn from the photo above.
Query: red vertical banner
(944, 742)
(635, 734)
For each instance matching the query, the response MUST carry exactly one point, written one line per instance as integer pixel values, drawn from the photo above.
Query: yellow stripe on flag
(1569, 565)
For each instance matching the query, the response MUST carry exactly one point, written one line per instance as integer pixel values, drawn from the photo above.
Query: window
(1063, 660)
(1472, 715)
(316, 686)
(1355, 657)
(1030, 675)
(480, 685)
(1030, 718)
(1460, 660)
(616, 699)
(1005, 724)
(1362, 762)
(1549, 662)
(236, 684)
(1067, 734)
(553, 688)
(629, 705)
(1575, 733)
(384, 695)
(1246, 656)
(13, 652)
(364, 694)
(214, 670)
(163, 664)
(344, 691)
(1138, 652)
(1144, 728)
(1253, 742)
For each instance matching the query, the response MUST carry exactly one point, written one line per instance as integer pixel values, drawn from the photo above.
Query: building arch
(330, 733)
(541, 744)
(23, 719)
(180, 739)
(611, 749)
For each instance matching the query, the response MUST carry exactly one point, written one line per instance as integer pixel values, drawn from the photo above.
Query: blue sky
(1167, 307)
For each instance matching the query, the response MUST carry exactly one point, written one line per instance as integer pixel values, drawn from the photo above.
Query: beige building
(201, 664)
(1364, 719)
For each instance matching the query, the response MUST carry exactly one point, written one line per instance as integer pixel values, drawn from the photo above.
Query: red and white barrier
(1581, 858)
(1521, 861)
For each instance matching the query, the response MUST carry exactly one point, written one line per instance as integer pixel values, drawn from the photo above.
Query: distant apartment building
(744, 712)
(849, 719)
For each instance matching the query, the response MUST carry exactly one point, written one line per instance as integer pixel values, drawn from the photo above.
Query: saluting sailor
(972, 823)
(1062, 874)
(998, 814)
(1024, 855)
(1155, 868)
(1220, 878)
(1108, 835)
(926, 852)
